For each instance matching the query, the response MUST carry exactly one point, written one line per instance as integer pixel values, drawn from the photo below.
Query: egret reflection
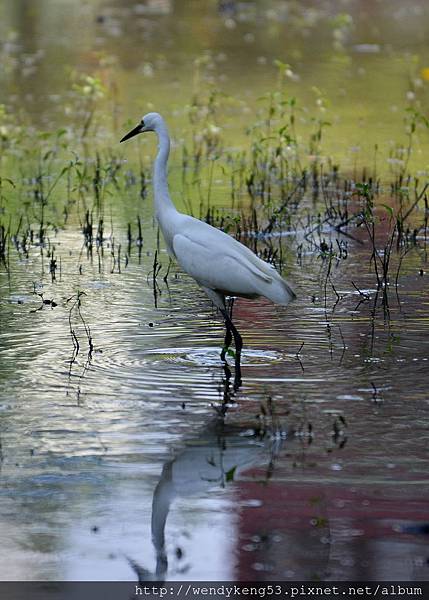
(211, 460)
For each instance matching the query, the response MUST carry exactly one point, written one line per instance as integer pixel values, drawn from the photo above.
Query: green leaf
(229, 475)
(9, 181)
(388, 208)
(320, 522)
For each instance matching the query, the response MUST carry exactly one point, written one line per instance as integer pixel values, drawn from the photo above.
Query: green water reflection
(366, 61)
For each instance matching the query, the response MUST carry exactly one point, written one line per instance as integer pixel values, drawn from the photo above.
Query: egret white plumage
(220, 265)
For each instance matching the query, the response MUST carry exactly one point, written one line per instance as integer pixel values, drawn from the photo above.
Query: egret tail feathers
(279, 291)
(271, 283)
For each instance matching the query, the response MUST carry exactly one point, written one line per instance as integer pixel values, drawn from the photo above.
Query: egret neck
(163, 202)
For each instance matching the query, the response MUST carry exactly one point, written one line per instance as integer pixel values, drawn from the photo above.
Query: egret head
(149, 122)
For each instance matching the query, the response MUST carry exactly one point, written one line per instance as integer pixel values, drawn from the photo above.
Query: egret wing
(219, 262)
(218, 267)
(219, 242)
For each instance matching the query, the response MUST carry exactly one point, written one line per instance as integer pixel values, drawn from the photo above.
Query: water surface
(316, 468)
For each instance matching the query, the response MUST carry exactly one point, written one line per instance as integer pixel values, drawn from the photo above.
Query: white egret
(220, 265)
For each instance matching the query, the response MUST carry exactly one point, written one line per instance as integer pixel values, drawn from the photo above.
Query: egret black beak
(133, 132)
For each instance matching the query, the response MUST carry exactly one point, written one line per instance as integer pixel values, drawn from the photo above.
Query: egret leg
(229, 305)
(227, 341)
(223, 409)
(238, 341)
(219, 300)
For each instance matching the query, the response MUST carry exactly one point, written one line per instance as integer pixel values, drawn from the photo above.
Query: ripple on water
(209, 356)
(120, 363)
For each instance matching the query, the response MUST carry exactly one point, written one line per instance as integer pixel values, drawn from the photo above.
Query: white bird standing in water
(220, 265)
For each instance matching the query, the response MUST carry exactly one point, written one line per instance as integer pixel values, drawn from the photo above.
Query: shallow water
(318, 469)
(282, 488)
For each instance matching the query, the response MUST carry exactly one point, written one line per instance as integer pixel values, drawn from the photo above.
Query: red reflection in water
(311, 531)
